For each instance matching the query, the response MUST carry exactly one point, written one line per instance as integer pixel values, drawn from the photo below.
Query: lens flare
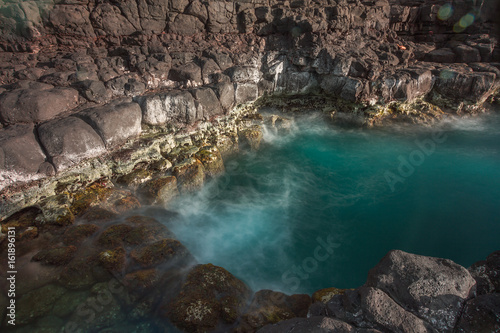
(445, 12)
(464, 22)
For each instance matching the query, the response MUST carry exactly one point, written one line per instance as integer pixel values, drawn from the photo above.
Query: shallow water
(322, 205)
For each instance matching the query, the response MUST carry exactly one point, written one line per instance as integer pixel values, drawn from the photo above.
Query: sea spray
(264, 216)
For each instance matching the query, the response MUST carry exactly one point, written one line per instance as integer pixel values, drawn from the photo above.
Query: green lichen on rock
(21, 220)
(135, 178)
(211, 159)
(90, 196)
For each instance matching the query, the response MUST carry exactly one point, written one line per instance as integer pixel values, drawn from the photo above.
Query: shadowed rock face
(187, 63)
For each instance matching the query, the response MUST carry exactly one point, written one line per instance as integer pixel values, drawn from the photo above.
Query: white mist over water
(262, 219)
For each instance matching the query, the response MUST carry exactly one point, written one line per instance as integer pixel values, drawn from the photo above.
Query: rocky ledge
(93, 90)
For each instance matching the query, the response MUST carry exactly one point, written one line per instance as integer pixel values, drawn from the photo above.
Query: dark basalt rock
(480, 315)
(69, 141)
(115, 123)
(19, 152)
(33, 106)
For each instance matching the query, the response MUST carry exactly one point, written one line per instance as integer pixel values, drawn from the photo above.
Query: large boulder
(174, 106)
(245, 92)
(116, 122)
(20, 154)
(342, 86)
(207, 103)
(36, 105)
(225, 92)
(406, 85)
(190, 74)
(459, 84)
(382, 311)
(433, 289)
(210, 297)
(69, 141)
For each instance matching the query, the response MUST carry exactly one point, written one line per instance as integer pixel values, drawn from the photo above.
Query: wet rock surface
(151, 96)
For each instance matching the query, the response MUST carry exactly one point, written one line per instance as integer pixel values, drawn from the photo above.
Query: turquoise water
(322, 205)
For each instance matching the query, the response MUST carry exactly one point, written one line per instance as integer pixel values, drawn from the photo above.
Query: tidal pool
(320, 206)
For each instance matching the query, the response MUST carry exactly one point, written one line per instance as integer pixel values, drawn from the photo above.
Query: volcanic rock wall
(79, 79)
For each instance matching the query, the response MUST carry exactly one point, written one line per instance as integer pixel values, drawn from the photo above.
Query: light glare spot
(445, 12)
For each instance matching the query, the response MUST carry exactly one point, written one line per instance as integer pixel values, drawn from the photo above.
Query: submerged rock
(56, 256)
(159, 191)
(37, 303)
(211, 159)
(270, 307)
(250, 137)
(190, 175)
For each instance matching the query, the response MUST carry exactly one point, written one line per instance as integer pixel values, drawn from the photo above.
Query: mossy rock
(113, 236)
(113, 260)
(28, 234)
(324, 295)
(98, 214)
(135, 178)
(211, 296)
(190, 175)
(57, 256)
(56, 210)
(250, 137)
(160, 166)
(159, 191)
(211, 159)
(120, 201)
(92, 195)
(144, 234)
(76, 234)
(165, 250)
(22, 219)
(226, 146)
(269, 307)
